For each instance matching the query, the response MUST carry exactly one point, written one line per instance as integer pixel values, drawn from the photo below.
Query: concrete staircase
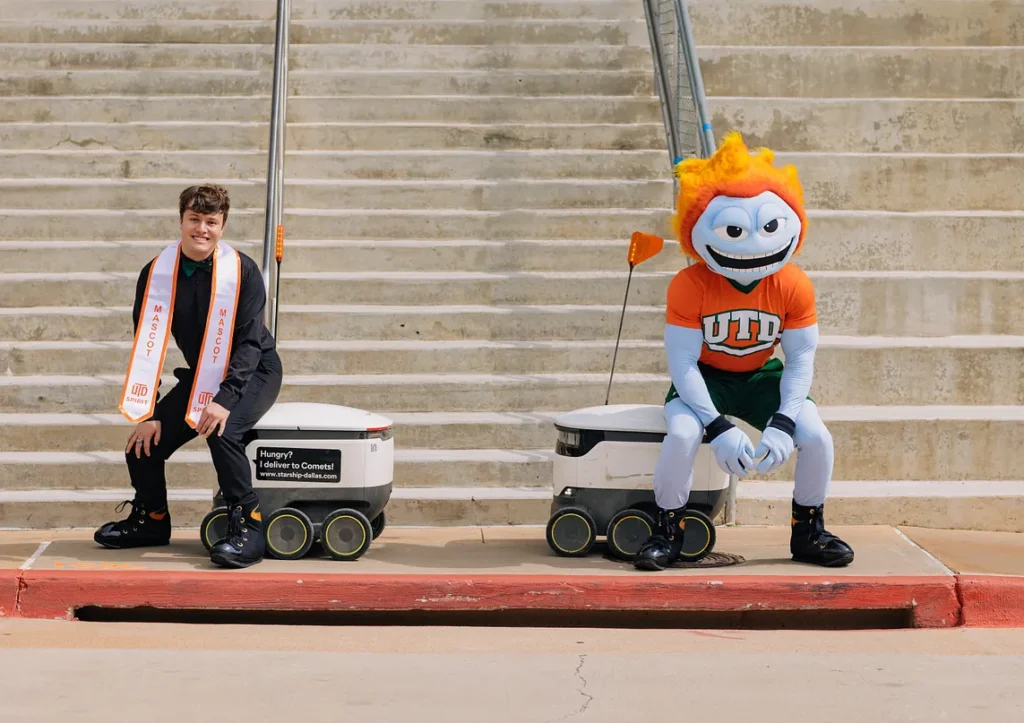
(462, 180)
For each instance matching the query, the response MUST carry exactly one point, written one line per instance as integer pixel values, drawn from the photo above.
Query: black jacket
(252, 345)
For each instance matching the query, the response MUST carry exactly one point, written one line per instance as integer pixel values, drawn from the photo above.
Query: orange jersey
(741, 327)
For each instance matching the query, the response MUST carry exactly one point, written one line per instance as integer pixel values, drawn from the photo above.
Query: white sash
(138, 397)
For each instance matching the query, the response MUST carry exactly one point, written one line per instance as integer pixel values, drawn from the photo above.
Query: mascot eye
(773, 227)
(731, 233)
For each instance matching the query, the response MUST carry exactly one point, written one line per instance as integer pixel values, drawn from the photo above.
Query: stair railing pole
(273, 229)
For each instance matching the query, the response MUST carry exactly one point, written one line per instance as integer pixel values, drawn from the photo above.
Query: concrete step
(519, 31)
(871, 443)
(904, 304)
(875, 182)
(113, 56)
(872, 125)
(862, 72)
(469, 195)
(866, 370)
(337, 10)
(193, 469)
(969, 505)
(455, 392)
(61, 224)
(318, 83)
(870, 22)
(363, 322)
(201, 135)
(53, 509)
(348, 109)
(420, 468)
(70, 162)
(976, 505)
(837, 242)
(451, 224)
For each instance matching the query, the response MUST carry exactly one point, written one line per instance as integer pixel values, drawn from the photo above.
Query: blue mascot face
(746, 239)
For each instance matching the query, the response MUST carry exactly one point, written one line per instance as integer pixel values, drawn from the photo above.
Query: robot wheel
(699, 540)
(346, 534)
(378, 523)
(289, 533)
(627, 531)
(571, 532)
(214, 527)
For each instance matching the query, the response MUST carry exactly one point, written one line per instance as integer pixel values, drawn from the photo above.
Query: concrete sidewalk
(937, 578)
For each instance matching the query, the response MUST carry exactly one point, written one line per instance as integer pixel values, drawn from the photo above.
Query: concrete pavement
(918, 578)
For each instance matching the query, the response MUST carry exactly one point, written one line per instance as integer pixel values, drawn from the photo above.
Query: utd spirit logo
(741, 332)
(204, 398)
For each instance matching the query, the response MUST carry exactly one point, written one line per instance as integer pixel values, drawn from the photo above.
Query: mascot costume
(742, 220)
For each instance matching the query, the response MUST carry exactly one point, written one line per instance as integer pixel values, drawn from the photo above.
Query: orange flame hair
(732, 171)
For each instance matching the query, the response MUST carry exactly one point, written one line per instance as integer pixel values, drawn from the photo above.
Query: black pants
(228, 451)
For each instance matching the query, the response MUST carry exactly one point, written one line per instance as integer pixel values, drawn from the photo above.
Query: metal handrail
(679, 82)
(273, 230)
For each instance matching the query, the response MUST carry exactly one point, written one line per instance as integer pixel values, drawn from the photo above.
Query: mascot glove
(775, 447)
(734, 452)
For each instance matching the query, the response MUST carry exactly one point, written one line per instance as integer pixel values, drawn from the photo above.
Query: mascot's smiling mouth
(750, 262)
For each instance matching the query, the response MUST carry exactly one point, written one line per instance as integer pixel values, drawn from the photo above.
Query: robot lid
(616, 418)
(312, 416)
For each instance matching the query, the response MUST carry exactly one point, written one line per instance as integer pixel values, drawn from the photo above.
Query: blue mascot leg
(673, 480)
(673, 475)
(815, 457)
(810, 542)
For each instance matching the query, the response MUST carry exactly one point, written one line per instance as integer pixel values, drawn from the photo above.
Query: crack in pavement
(582, 691)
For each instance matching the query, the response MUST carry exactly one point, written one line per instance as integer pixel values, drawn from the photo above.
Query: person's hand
(775, 447)
(734, 452)
(145, 436)
(213, 416)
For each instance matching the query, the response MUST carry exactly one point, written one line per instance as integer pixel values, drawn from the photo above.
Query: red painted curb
(992, 601)
(10, 582)
(56, 594)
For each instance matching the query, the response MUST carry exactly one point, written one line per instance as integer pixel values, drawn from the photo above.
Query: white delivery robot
(604, 464)
(323, 473)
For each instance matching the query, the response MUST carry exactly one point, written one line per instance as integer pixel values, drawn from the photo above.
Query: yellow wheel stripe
(563, 517)
(325, 535)
(630, 517)
(209, 526)
(305, 534)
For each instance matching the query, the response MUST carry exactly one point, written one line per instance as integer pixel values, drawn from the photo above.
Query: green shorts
(751, 396)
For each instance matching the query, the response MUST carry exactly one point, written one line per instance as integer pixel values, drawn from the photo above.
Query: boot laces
(135, 518)
(238, 532)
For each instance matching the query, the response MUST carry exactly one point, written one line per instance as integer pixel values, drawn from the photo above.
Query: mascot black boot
(142, 528)
(244, 543)
(810, 542)
(662, 548)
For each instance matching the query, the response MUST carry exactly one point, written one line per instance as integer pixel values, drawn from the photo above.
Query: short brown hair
(204, 199)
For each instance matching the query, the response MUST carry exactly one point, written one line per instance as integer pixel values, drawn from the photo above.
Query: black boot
(142, 528)
(662, 548)
(244, 544)
(810, 542)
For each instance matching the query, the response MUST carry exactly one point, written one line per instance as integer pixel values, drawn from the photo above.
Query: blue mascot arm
(683, 347)
(799, 346)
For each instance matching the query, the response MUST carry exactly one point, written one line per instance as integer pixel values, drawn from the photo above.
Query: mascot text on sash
(138, 398)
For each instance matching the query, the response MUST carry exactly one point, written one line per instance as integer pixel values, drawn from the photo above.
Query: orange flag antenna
(644, 246)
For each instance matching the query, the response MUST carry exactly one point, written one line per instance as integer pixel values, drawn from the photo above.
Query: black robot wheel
(346, 534)
(627, 531)
(699, 538)
(214, 527)
(571, 532)
(378, 523)
(289, 533)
